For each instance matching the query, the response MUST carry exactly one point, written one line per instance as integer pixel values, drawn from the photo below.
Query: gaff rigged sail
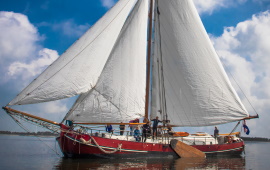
(189, 82)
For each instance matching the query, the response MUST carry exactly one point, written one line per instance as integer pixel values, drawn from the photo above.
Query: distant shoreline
(1, 134)
(258, 139)
(45, 134)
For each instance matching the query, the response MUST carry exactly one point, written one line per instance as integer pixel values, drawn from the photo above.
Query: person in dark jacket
(216, 132)
(155, 125)
(109, 128)
(122, 129)
(146, 131)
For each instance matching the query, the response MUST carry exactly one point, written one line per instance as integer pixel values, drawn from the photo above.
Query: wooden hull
(72, 146)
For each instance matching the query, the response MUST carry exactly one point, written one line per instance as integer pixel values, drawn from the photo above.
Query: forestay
(77, 70)
(119, 95)
(197, 89)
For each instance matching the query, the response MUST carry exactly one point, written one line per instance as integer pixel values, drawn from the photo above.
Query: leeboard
(186, 151)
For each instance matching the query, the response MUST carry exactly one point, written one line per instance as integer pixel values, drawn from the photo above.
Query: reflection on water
(114, 164)
(26, 152)
(186, 163)
(210, 163)
(178, 164)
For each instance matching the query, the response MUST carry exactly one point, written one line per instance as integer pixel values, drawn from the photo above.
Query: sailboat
(142, 59)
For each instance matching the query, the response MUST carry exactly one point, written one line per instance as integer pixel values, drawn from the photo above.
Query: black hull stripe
(228, 150)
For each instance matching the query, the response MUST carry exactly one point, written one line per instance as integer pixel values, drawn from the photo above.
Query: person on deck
(122, 129)
(69, 123)
(132, 127)
(146, 131)
(170, 130)
(216, 132)
(155, 125)
(109, 128)
(137, 134)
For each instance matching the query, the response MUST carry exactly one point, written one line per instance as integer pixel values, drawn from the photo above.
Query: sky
(34, 33)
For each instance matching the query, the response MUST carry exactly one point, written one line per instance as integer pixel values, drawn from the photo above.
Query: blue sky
(34, 33)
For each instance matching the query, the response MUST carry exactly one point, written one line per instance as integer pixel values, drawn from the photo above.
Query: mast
(148, 61)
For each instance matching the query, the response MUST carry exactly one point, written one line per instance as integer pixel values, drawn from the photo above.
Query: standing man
(155, 125)
(216, 132)
(122, 129)
(146, 131)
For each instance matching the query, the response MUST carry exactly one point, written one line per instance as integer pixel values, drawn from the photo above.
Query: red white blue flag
(246, 129)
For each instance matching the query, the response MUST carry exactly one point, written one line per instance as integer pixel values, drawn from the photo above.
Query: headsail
(120, 91)
(77, 70)
(197, 89)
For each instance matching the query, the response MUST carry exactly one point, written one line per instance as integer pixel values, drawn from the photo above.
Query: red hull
(71, 146)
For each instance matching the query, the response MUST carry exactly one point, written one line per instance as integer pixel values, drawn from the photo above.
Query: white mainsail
(77, 70)
(119, 95)
(197, 89)
(107, 67)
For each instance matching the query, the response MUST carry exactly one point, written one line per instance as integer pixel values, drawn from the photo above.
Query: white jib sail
(197, 89)
(119, 95)
(76, 71)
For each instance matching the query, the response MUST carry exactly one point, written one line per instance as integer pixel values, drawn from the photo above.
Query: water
(27, 152)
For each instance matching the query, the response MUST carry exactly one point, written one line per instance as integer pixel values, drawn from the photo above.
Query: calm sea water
(27, 152)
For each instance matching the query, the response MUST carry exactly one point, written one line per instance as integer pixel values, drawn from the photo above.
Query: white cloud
(71, 29)
(208, 6)
(245, 50)
(55, 107)
(108, 3)
(18, 37)
(29, 70)
(22, 57)
(203, 6)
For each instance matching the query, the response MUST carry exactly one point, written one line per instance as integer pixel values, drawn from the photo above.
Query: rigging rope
(238, 85)
(161, 82)
(234, 128)
(21, 125)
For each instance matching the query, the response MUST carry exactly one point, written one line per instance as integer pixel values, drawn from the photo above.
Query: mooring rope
(83, 141)
(109, 152)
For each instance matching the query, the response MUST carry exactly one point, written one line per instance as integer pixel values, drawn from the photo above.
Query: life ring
(182, 134)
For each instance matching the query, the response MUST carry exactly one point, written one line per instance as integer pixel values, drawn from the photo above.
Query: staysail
(188, 76)
(77, 70)
(119, 95)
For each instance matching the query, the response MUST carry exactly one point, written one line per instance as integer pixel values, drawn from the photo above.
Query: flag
(246, 129)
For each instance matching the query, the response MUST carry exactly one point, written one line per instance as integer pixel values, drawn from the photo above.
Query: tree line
(46, 133)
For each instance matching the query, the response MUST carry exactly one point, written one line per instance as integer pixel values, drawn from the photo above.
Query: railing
(100, 131)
